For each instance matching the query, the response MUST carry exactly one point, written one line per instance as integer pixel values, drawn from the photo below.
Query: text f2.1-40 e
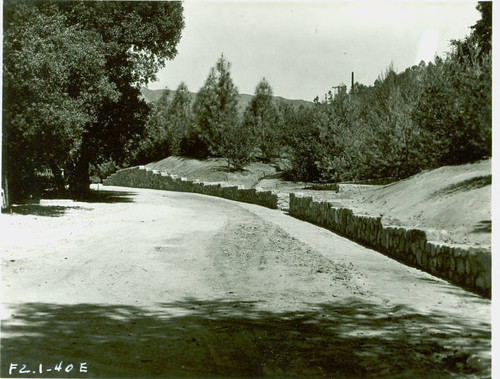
(21, 368)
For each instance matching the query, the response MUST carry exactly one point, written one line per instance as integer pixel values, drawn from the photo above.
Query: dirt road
(143, 283)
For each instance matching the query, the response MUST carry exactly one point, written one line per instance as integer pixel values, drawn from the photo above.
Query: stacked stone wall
(463, 265)
(143, 177)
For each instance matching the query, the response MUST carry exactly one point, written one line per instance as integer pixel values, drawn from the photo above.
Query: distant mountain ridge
(152, 95)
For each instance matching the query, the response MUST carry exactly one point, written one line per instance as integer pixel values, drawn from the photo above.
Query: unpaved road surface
(143, 283)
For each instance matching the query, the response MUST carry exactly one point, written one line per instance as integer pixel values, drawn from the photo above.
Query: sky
(305, 48)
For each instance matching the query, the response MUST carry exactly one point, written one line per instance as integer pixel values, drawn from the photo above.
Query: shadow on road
(224, 338)
(96, 196)
(43, 210)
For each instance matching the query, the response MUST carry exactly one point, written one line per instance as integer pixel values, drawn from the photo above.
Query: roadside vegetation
(425, 117)
(71, 123)
(71, 83)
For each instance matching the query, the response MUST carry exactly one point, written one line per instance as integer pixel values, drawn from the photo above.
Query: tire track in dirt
(257, 260)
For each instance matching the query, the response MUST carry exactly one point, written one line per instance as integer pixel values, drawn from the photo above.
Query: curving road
(143, 283)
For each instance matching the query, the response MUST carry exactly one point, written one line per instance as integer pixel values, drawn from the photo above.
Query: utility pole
(352, 81)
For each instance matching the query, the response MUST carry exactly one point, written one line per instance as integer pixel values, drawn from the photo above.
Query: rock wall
(463, 265)
(143, 177)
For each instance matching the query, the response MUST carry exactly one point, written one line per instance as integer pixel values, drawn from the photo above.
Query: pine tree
(215, 107)
(262, 119)
(179, 118)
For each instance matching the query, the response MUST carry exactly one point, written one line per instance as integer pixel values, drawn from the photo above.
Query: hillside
(455, 201)
(214, 170)
(452, 202)
(243, 99)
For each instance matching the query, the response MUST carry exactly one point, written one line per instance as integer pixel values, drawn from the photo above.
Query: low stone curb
(144, 177)
(464, 265)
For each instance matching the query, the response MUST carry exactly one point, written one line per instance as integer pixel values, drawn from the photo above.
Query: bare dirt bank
(453, 201)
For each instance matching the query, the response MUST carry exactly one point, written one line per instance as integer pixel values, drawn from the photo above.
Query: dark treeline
(72, 72)
(427, 116)
(72, 107)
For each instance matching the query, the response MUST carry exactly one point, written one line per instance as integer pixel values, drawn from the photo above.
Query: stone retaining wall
(463, 265)
(143, 177)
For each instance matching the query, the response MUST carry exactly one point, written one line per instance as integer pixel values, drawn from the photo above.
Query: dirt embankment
(214, 170)
(452, 202)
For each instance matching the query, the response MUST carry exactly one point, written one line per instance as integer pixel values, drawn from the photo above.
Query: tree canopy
(262, 119)
(216, 106)
(72, 72)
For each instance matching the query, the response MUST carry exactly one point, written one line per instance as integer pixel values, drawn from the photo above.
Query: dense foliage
(262, 120)
(169, 126)
(72, 72)
(71, 77)
(216, 106)
(427, 116)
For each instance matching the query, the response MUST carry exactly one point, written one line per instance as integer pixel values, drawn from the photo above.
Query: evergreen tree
(155, 144)
(305, 139)
(237, 146)
(262, 119)
(215, 107)
(180, 118)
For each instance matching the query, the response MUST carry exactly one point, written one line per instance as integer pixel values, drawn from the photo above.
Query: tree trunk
(80, 181)
(6, 194)
(58, 178)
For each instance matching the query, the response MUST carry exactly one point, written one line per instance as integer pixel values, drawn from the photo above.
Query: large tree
(216, 106)
(262, 119)
(72, 72)
(155, 143)
(180, 117)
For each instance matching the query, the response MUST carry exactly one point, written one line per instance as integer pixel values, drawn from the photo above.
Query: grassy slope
(454, 200)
